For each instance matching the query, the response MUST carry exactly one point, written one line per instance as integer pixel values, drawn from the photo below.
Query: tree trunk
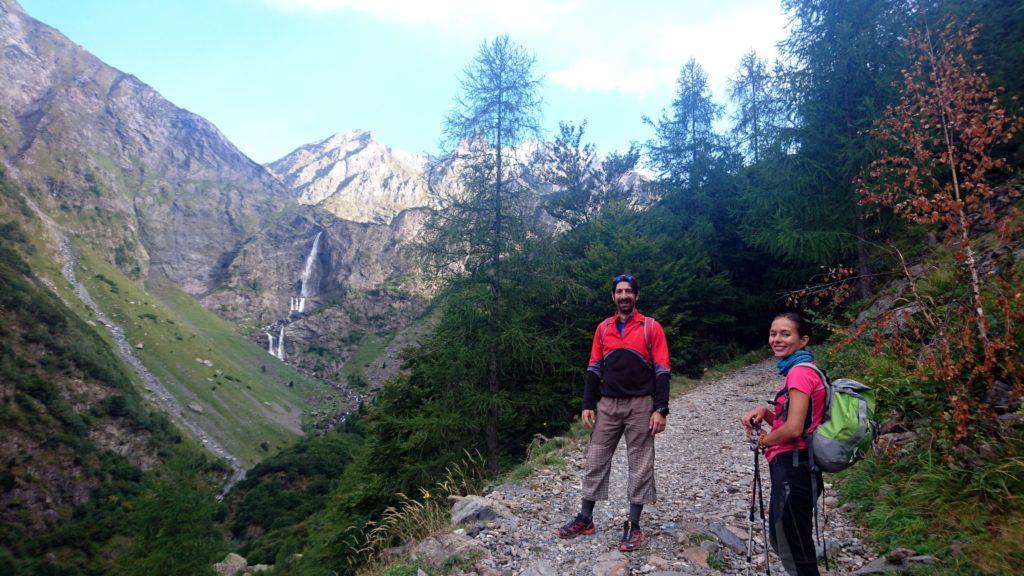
(492, 417)
(863, 262)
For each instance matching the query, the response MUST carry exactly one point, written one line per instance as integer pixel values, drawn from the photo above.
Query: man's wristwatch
(662, 411)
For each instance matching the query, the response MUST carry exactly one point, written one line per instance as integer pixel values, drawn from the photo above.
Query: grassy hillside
(249, 400)
(92, 479)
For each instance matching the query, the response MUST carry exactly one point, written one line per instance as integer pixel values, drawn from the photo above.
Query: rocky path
(703, 473)
(159, 394)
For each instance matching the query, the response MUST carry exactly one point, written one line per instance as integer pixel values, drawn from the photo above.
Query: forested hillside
(871, 179)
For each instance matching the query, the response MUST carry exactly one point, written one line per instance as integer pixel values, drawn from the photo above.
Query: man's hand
(657, 423)
(588, 418)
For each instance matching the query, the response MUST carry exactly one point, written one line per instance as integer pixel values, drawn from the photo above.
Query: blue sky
(276, 74)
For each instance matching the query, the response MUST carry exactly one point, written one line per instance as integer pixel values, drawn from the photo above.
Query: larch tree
(481, 221)
(685, 144)
(756, 121)
(569, 166)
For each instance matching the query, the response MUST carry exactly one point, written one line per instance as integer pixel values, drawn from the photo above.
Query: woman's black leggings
(791, 522)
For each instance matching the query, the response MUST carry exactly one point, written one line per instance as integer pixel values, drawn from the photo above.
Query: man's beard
(625, 306)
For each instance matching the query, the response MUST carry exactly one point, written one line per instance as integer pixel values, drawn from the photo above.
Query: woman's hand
(757, 415)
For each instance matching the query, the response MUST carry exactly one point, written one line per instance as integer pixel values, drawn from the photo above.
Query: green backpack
(848, 425)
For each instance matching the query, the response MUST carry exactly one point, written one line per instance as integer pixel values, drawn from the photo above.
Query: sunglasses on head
(623, 278)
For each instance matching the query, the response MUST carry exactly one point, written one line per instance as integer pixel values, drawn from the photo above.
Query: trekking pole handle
(756, 436)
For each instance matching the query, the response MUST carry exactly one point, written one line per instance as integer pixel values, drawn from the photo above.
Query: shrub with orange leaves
(942, 169)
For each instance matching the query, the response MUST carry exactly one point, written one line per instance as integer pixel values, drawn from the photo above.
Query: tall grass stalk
(412, 519)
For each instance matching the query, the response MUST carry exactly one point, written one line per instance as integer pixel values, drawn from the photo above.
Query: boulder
(611, 564)
(696, 556)
(196, 407)
(471, 509)
(727, 538)
(231, 565)
(899, 561)
(896, 443)
(436, 549)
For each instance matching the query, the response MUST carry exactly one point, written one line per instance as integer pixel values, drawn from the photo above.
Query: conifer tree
(685, 142)
(756, 121)
(844, 55)
(481, 220)
(569, 165)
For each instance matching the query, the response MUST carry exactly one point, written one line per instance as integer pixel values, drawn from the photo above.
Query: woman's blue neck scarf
(800, 356)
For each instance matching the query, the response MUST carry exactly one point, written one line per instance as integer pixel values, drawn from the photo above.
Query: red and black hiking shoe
(578, 526)
(632, 537)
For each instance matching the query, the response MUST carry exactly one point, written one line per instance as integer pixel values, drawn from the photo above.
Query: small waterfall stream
(305, 292)
(297, 303)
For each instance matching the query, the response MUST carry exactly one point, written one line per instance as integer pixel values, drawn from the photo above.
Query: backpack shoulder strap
(824, 382)
(647, 338)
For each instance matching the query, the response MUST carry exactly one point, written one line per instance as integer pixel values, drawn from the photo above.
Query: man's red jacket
(634, 363)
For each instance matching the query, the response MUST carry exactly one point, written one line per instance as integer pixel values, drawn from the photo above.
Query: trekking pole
(753, 499)
(757, 503)
(764, 520)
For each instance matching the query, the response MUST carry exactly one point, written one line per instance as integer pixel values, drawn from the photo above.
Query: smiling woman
(799, 409)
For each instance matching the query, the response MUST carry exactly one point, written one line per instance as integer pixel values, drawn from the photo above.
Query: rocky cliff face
(360, 281)
(153, 187)
(354, 177)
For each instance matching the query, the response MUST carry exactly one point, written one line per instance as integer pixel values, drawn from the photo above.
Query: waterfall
(270, 346)
(308, 270)
(302, 304)
(280, 345)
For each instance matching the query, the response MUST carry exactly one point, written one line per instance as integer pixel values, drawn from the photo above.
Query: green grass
(370, 348)
(922, 503)
(254, 400)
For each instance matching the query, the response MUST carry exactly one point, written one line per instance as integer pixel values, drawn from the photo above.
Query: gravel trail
(703, 472)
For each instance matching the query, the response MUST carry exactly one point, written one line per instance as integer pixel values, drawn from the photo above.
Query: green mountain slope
(249, 401)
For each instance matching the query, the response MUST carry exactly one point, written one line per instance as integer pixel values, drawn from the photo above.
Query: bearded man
(626, 393)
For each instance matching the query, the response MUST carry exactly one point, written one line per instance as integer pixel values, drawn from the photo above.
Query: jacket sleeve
(662, 372)
(592, 382)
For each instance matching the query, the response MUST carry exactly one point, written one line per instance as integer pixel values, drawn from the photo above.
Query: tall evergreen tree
(481, 220)
(757, 119)
(570, 166)
(686, 143)
(844, 55)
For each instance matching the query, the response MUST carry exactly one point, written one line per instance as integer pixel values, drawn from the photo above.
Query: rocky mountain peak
(355, 177)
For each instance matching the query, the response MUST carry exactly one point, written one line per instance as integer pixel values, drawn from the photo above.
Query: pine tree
(757, 121)
(843, 55)
(481, 221)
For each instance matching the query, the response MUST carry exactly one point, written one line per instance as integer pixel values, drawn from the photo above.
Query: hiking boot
(632, 537)
(578, 526)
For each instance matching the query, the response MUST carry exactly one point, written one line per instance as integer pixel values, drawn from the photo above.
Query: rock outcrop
(355, 177)
(152, 187)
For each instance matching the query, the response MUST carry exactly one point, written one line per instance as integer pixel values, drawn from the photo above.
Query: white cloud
(595, 75)
(659, 49)
(527, 15)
